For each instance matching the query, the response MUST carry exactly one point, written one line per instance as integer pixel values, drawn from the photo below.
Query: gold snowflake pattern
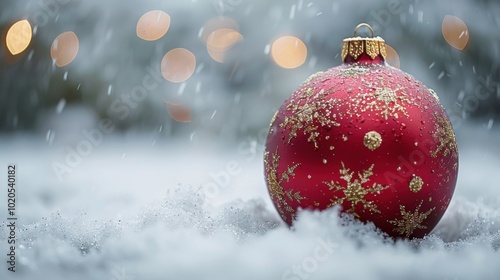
(445, 137)
(409, 222)
(305, 114)
(274, 183)
(355, 191)
(387, 101)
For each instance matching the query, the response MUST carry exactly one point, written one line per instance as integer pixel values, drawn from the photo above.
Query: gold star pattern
(354, 191)
(387, 101)
(305, 114)
(445, 137)
(409, 222)
(274, 181)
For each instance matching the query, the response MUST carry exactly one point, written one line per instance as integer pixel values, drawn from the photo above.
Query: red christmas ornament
(368, 137)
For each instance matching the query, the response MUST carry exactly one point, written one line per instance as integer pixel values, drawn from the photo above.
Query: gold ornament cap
(363, 49)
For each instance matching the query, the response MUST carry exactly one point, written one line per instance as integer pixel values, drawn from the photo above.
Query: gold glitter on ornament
(352, 72)
(372, 140)
(434, 94)
(416, 184)
(387, 101)
(312, 77)
(274, 181)
(445, 137)
(354, 191)
(306, 114)
(409, 222)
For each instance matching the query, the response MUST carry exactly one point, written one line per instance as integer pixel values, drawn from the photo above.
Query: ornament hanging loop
(363, 25)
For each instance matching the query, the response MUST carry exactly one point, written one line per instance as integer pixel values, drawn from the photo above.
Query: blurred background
(204, 71)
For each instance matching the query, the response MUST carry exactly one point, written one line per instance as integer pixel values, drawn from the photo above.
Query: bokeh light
(19, 37)
(220, 41)
(64, 48)
(392, 57)
(178, 112)
(178, 65)
(153, 25)
(289, 52)
(215, 24)
(455, 32)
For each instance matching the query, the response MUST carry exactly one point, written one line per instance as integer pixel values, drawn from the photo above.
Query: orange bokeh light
(217, 23)
(289, 52)
(64, 48)
(220, 41)
(178, 112)
(392, 57)
(19, 37)
(153, 25)
(455, 32)
(178, 65)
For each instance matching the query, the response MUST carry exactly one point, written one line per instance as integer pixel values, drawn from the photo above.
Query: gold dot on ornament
(153, 25)
(455, 32)
(19, 37)
(372, 140)
(416, 184)
(289, 52)
(178, 65)
(64, 48)
(392, 57)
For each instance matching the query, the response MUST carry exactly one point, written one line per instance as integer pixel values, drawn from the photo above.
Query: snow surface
(132, 210)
